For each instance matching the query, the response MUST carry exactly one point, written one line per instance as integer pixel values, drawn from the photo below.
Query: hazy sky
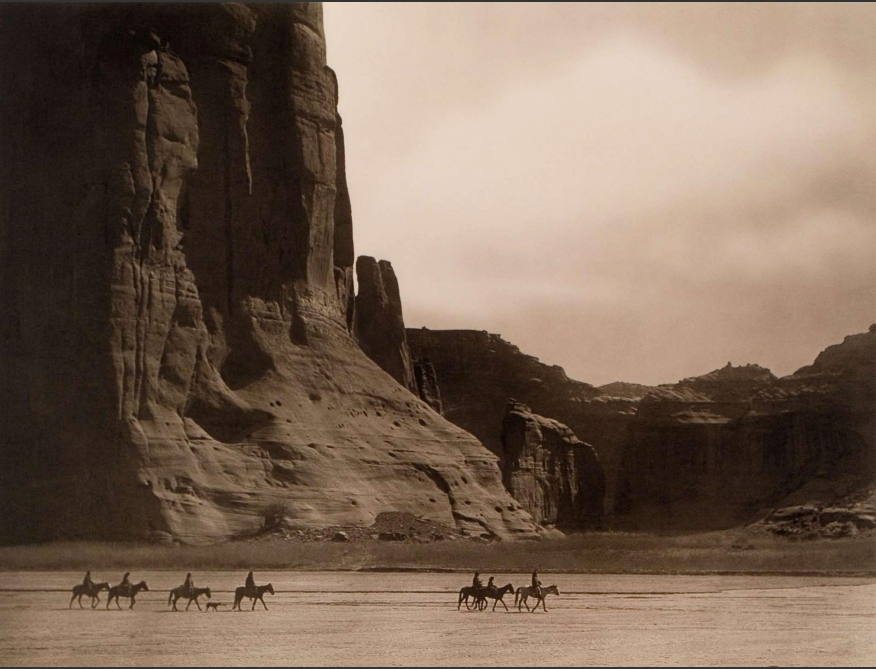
(634, 192)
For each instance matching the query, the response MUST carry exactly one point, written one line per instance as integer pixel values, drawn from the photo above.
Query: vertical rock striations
(555, 476)
(379, 324)
(427, 384)
(176, 262)
(717, 450)
(711, 451)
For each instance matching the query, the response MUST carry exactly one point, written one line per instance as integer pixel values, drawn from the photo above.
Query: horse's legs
(133, 601)
(189, 604)
(262, 600)
(71, 601)
(95, 601)
(504, 604)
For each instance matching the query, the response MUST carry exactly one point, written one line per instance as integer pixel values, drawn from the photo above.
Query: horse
(256, 595)
(465, 593)
(495, 594)
(192, 593)
(93, 592)
(129, 591)
(540, 594)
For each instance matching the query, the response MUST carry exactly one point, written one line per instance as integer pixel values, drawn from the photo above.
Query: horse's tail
(169, 596)
(516, 596)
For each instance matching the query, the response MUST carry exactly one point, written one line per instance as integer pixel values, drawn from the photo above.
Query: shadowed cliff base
(593, 552)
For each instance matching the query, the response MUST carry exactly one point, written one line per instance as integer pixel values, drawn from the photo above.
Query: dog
(215, 605)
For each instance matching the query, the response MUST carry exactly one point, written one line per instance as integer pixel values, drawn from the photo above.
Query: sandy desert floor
(411, 619)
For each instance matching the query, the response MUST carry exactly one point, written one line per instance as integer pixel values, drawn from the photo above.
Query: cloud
(618, 205)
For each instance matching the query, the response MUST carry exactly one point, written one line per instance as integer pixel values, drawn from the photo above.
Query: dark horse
(179, 592)
(255, 594)
(93, 592)
(495, 594)
(465, 593)
(127, 591)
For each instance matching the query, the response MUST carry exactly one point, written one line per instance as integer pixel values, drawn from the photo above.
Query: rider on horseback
(189, 585)
(125, 585)
(250, 582)
(536, 584)
(476, 581)
(490, 583)
(87, 583)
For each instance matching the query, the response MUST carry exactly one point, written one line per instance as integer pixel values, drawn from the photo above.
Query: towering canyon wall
(176, 258)
(553, 474)
(710, 451)
(478, 372)
(379, 322)
(722, 449)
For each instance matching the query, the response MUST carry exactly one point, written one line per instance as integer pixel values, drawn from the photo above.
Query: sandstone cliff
(554, 475)
(478, 372)
(380, 325)
(724, 448)
(428, 389)
(176, 257)
(710, 451)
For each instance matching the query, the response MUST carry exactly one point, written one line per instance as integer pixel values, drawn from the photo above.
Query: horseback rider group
(89, 584)
(478, 584)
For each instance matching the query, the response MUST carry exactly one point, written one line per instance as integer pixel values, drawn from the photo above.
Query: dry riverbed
(354, 619)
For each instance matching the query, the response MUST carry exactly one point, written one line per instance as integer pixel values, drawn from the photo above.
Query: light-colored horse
(255, 594)
(192, 593)
(540, 594)
(93, 592)
(495, 593)
(128, 591)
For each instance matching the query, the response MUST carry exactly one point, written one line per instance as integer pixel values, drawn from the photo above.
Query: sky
(635, 192)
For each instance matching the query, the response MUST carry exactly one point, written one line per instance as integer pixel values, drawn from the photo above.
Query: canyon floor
(361, 619)
(424, 547)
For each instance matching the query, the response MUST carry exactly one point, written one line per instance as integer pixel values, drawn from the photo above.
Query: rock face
(427, 384)
(479, 372)
(555, 476)
(708, 452)
(624, 390)
(380, 326)
(716, 450)
(176, 261)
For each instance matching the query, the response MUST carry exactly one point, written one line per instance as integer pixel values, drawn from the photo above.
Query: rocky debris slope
(555, 476)
(176, 259)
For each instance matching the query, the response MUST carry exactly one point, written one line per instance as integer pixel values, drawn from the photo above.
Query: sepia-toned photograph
(437, 334)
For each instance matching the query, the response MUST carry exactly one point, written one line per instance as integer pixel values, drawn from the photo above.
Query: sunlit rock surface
(176, 259)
